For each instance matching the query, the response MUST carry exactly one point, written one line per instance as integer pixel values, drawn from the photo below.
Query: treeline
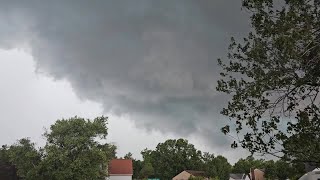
(76, 148)
(174, 156)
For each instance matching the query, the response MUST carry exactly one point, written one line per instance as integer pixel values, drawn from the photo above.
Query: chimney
(252, 175)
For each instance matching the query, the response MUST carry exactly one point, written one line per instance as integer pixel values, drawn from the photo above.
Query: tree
(147, 170)
(273, 76)
(172, 157)
(74, 150)
(23, 155)
(137, 166)
(244, 165)
(270, 170)
(128, 156)
(218, 167)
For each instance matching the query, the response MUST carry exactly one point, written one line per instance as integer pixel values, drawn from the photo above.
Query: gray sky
(149, 65)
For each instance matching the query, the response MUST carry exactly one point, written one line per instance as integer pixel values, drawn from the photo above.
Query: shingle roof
(120, 166)
(196, 173)
(237, 176)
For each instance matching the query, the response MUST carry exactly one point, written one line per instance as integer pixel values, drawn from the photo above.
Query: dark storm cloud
(155, 60)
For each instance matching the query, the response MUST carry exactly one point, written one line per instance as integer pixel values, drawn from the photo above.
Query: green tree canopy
(218, 167)
(75, 149)
(137, 166)
(128, 156)
(273, 76)
(244, 165)
(23, 155)
(147, 170)
(172, 157)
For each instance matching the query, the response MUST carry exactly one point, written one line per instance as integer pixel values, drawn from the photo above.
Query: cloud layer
(154, 60)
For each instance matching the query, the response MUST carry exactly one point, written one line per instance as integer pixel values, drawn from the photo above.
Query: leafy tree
(128, 156)
(74, 150)
(147, 170)
(297, 170)
(172, 157)
(283, 170)
(273, 76)
(221, 169)
(24, 156)
(207, 157)
(244, 165)
(137, 166)
(270, 170)
(4, 157)
(218, 167)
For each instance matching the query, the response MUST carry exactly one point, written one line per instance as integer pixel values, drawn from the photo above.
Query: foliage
(172, 157)
(244, 165)
(137, 166)
(283, 170)
(218, 167)
(147, 170)
(74, 150)
(273, 169)
(128, 156)
(23, 155)
(273, 78)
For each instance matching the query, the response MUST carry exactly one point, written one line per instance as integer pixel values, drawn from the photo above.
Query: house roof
(120, 166)
(237, 176)
(196, 173)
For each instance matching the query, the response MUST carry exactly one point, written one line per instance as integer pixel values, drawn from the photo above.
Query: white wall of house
(120, 177)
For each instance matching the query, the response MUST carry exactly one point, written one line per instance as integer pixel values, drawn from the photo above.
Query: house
(242, 176)
(185, 175)
(313, 175)
(120, 169)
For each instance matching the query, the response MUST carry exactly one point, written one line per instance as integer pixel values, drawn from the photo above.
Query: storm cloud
(154, 60)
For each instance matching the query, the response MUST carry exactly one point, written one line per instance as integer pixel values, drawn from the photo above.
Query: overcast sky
(149, 65)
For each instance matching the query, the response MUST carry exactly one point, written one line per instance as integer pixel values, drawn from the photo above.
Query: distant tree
(218, 167)
(23, 155)
(137, 166)
(207, 157)
(4, 156)
(128, 156)
(147, 170)
(147, 155)
(270, 170)
(244, 165)
(74, 150)
(273, 76)
(282, 170)
(172, 157)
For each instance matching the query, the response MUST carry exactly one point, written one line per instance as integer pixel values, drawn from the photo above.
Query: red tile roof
(120, 166)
